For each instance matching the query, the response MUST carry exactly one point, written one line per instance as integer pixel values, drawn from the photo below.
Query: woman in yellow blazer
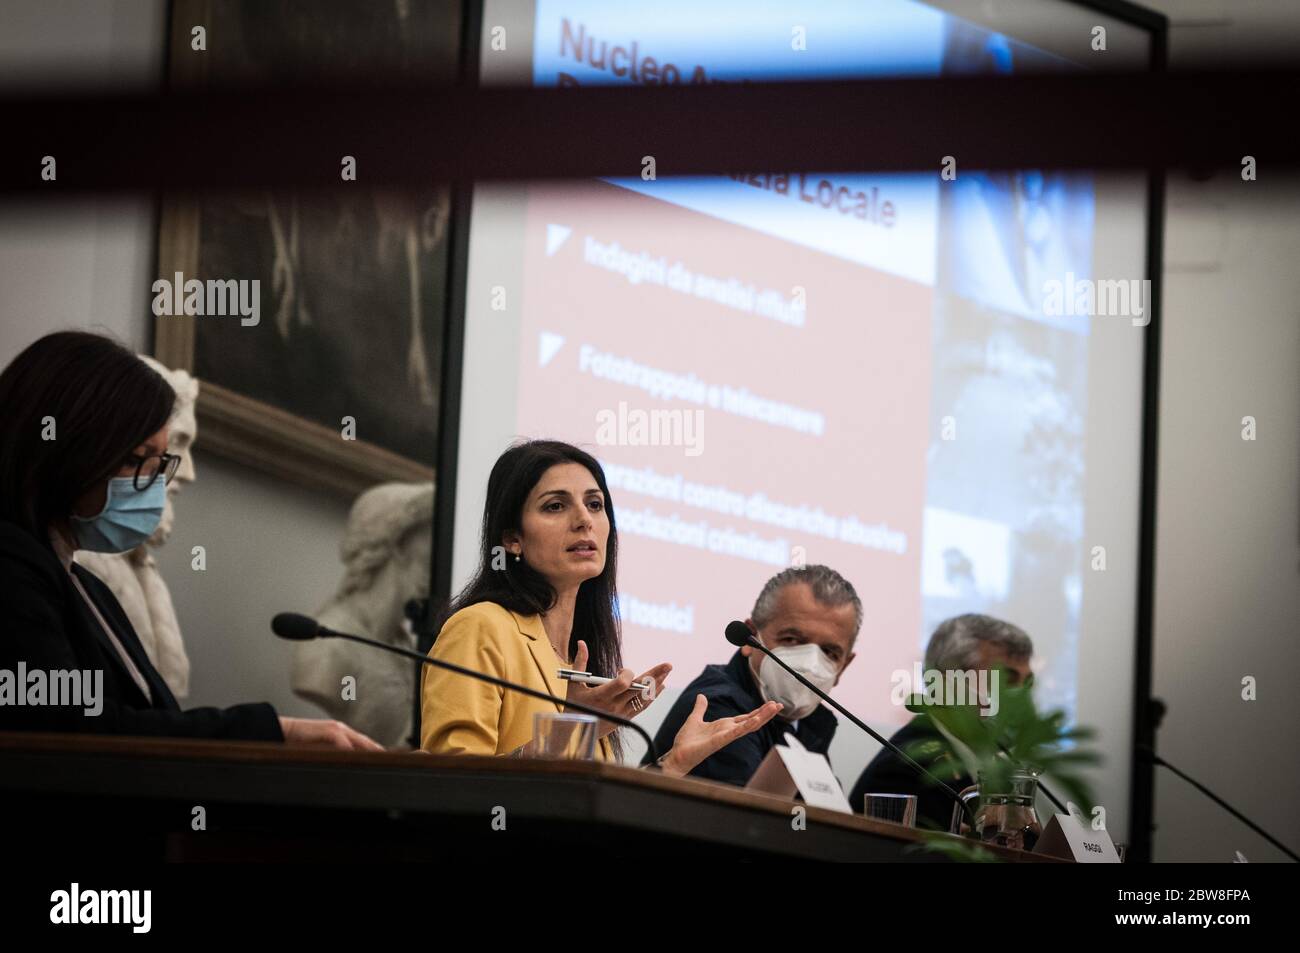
(544, 598)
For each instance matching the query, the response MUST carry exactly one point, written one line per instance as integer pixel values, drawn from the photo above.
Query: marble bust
(386, 552)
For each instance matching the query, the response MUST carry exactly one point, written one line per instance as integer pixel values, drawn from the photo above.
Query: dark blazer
(731, 690)
(888, 774)
(46, 624)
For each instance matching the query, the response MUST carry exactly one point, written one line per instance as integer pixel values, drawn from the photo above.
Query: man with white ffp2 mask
(809, 616)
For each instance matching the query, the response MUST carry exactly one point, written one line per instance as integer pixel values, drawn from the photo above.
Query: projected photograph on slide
(782, 367)
(1004, 482)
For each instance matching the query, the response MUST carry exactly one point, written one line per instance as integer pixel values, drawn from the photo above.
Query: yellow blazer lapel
(539, 646)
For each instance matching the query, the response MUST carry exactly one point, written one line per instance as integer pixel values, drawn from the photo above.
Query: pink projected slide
(756, 402)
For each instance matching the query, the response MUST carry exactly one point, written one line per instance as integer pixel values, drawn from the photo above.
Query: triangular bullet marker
(548, 345)
(556, 235)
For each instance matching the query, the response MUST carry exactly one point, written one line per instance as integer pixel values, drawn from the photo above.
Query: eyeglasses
(148, 469)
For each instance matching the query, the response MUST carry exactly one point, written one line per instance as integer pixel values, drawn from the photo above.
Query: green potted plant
(1007, 747)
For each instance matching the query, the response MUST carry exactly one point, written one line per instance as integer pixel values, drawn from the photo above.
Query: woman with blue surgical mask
(84, 465)
(133, 504)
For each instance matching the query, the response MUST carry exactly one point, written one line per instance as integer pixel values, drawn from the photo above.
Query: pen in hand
(646, 688)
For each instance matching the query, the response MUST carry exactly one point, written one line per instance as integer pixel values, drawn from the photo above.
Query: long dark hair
(523, 589)
(75, 407)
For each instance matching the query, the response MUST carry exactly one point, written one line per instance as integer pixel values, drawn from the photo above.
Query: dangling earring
(517, 557)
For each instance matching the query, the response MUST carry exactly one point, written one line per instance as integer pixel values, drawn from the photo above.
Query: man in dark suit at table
(809, 616)
(964, 643)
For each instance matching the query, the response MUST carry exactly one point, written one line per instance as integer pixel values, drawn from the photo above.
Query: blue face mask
(128, 518)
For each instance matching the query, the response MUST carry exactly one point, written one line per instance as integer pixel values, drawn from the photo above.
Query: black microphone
(301, 628)
(296, 628)
(1148, 754)
(739, 634)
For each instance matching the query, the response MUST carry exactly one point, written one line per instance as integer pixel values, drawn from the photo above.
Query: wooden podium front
(152, 799)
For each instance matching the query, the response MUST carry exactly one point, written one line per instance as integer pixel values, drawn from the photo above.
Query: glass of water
(564, 736)
(894, 808)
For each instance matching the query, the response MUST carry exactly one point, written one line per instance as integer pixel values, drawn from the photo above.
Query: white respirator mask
(777, 685)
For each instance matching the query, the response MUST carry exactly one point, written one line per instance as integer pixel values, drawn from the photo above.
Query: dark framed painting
(333, 381)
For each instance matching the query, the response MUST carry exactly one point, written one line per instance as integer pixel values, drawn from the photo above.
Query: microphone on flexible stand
(739, 634)
(301, 628)
(1147, 753)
